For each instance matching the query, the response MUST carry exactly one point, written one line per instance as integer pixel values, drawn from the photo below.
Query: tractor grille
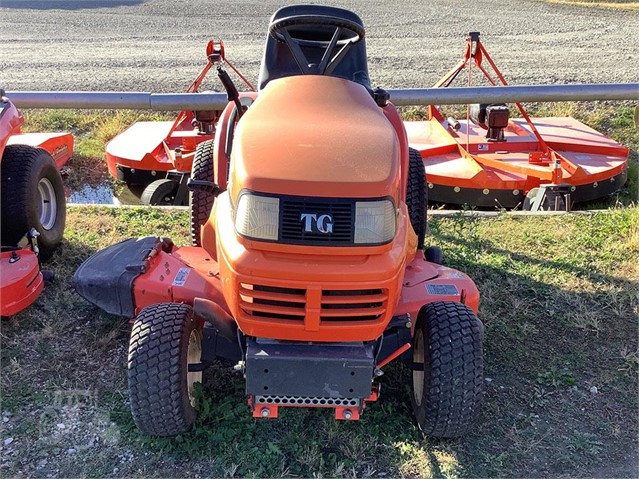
(292, 228)
(272, 302)
(269, 302)
(353, 305)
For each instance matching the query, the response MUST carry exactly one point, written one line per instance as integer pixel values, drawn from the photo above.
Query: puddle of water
(100, 194)
(99, 189)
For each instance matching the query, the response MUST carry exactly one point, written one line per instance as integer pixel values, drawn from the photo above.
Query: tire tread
(157, 369)
(454, 382)
(416, 195)
(201, 202)
(19, 165)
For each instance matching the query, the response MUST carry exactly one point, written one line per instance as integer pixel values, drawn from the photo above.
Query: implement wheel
(160, 192)
(447, 393)
(164, 341)
(416, 195)
(32, 197)
(201, 202)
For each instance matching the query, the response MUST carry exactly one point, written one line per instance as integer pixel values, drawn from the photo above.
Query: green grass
(560, 304)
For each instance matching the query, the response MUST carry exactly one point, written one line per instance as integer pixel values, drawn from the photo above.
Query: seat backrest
(278, 62)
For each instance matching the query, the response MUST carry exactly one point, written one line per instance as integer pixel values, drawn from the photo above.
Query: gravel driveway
(158, 45)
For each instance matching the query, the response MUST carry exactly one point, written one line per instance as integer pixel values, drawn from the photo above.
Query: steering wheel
(297, 32)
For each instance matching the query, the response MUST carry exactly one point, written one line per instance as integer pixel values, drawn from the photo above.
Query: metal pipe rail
(400, 97)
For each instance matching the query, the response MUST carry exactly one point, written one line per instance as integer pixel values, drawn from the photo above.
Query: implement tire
(164, 340)
(32, 197)
(161, 192)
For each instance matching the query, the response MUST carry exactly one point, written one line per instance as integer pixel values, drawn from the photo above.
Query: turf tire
(201, 202)
(23, 169)
(416, 195)
(158, 369)
(447, 394)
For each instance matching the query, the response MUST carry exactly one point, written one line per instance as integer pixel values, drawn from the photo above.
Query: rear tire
(201, 202)
(32, 197)
(164, 340)
(160, 193)
(416, 195)
(447, 393)
(434, 254)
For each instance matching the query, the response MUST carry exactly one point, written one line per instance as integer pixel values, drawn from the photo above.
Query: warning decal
(180, 278)
(442, 289)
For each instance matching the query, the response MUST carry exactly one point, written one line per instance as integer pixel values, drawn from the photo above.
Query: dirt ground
(158, 45)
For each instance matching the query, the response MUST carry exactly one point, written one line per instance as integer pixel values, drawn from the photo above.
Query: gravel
(158, 45)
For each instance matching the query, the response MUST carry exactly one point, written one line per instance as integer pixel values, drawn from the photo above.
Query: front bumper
(296, 374)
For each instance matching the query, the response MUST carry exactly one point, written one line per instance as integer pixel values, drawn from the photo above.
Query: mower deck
(139, 272)
(21, 281)
(499, 174)
(490, 160)
(148, 149)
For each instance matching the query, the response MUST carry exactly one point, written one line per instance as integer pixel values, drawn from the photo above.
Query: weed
(556, 377)
(586, 443)
(630, 361)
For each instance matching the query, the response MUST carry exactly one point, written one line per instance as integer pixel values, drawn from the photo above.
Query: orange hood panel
(315, 136)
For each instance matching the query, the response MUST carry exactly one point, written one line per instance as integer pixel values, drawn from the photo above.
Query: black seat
(278, 62)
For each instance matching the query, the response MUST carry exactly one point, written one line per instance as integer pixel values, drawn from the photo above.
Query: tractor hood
(315, 136)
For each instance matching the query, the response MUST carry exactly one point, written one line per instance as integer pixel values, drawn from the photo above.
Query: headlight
(258, 216)
(375, 222)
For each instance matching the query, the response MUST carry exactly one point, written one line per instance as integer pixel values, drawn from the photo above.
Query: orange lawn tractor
(308, 269)
(33, 206)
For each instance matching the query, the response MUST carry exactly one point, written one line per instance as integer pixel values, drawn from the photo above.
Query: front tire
(32, 197)
(164, 341)
(447, 393)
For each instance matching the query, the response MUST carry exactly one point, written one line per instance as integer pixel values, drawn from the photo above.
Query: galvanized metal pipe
(119, 100)
(400, 97)
(510, 94)
(80, 99)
